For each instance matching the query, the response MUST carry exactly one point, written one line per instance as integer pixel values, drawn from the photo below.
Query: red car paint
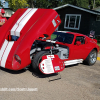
(54, 63)
(79, 51)
(28, 24)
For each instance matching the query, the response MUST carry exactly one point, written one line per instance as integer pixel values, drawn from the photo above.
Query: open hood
(27, 25)
(24, 21)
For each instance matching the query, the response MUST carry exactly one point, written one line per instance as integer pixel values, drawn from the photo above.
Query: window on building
(72, 21)
(98, 18)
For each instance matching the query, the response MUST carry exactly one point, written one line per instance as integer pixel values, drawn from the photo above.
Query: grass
(53, 36)
(98, 44)
(98, 40)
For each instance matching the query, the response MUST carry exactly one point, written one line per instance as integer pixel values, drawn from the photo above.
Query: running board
(71, 62)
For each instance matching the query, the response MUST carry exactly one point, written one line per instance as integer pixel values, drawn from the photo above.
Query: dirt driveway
(78, 82)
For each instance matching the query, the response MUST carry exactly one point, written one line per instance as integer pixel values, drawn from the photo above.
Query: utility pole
(94, 4)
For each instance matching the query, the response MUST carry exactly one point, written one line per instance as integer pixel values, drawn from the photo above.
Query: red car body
(23, 40)
(71, 47)
(28, 25)
(81, 51)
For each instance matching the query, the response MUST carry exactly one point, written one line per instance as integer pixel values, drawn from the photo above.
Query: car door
(79, 48)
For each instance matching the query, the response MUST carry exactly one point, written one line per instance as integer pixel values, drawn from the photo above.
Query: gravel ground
(78, 82)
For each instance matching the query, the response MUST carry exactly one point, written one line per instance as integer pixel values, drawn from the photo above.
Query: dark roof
(80, 8)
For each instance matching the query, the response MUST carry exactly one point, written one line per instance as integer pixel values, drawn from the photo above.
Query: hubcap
(93, 57)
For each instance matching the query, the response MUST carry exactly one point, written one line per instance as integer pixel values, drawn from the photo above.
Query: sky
(6, 4)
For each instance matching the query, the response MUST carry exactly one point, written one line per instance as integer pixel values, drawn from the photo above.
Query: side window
(81, 39)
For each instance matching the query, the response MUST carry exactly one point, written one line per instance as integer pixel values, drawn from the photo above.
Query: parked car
(71, 48)
(19, 33)
(24, 41)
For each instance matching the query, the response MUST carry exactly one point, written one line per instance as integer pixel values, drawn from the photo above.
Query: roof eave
(60, 7)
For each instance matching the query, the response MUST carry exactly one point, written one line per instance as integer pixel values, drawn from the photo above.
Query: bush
(98, 39)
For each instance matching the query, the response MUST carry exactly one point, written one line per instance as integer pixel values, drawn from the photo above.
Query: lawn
(98, 40)
(98, 44)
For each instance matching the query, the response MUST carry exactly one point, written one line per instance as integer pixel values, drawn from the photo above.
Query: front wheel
(92, 57)
(37, 59)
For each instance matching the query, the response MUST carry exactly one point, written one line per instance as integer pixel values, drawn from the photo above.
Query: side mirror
(78, 43)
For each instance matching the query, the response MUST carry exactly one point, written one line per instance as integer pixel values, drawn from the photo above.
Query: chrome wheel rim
(93, 57)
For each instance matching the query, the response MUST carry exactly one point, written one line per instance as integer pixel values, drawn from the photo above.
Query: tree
(97, 3)
(41, 3)
(31, 3)
(16, 4)
(54, 3)
(80, 3)
(44, 3)
(94, 3)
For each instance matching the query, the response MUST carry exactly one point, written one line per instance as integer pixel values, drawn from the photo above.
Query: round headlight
(17, 58)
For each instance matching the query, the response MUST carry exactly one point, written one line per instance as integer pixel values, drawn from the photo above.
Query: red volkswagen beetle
(24, 41)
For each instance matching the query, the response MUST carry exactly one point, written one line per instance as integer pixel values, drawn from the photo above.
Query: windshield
(62, 37)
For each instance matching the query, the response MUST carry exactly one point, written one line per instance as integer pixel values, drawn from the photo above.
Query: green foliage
(98, 44)
(97, 3)
(30, 2)
(98, 40)
(41, 3)
(16, 4)
(55, 3)
(53, 36)
(80, 3)
(44, 3)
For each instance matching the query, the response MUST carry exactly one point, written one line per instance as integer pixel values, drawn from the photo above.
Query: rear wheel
(37, 60)
(92, 57)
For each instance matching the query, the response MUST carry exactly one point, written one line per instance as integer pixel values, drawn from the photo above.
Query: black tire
(37, 60)
(92, 57)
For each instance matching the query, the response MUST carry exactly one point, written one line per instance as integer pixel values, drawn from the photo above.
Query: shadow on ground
(40, 75)
(35, 74)
(12, 71)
